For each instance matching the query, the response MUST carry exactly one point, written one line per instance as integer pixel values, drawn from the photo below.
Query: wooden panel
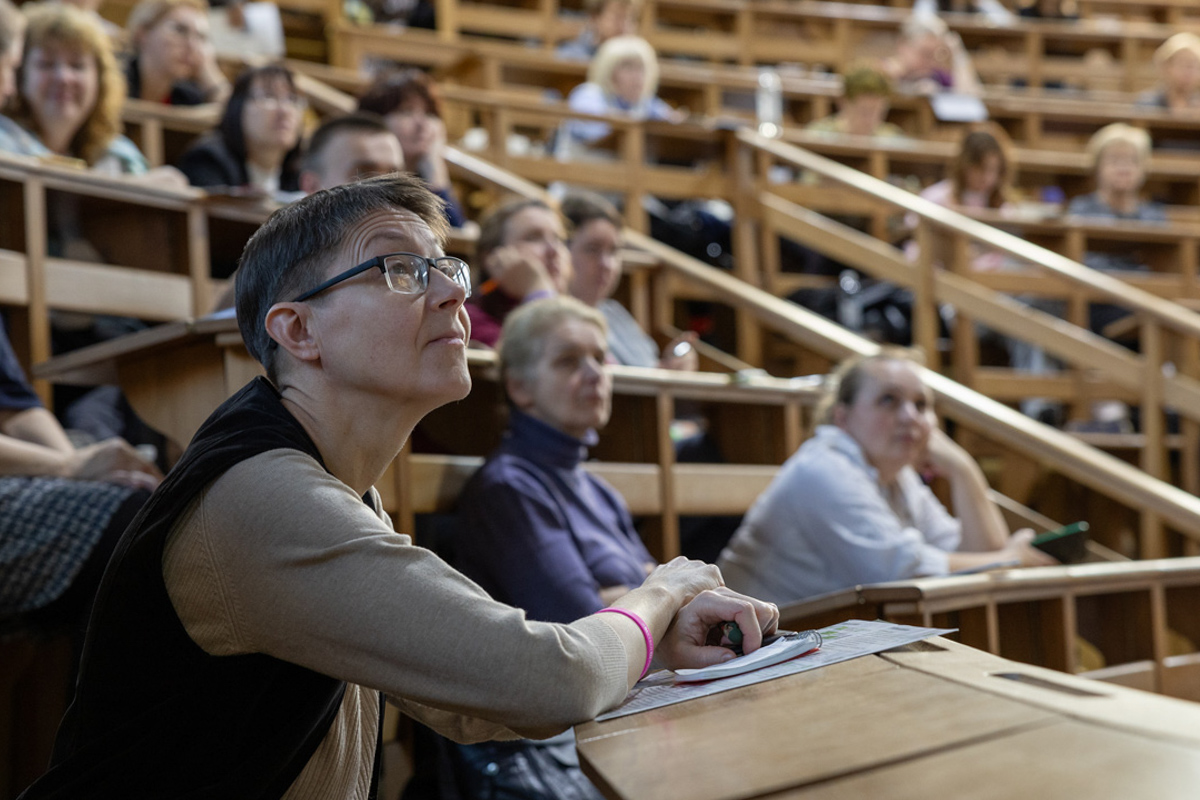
(1134, 675)
(13, 288)
(1073, 760)
(844, 698)
(76, 286)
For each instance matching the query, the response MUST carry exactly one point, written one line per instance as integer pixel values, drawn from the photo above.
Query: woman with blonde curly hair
(69, 94)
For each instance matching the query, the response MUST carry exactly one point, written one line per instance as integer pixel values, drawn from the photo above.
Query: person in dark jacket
(256, 147)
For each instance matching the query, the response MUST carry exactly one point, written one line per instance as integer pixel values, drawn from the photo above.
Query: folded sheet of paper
(789, 645)
(840, 642)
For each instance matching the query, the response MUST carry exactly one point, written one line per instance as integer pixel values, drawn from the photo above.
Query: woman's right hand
(113, 461)
(686, 646)
(516, 273)
(1020, 548)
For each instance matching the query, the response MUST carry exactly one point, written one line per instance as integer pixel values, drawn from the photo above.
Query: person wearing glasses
(256, 613)
(256, 147)
(172, 60)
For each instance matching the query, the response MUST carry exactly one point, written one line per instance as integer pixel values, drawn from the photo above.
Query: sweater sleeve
(278, 557)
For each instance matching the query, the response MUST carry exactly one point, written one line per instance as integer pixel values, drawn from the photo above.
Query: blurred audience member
(62, 508)
(522, 255)
(979, 175)
(256, 146)
(408, 102)
(1178, 62)
(69, 97)
(172, 60)
(595, 244)
(623, 80)
(931, 58)
(862, 108)
(849, 507)
(1119, 154)
(606, 19)
(347, 149)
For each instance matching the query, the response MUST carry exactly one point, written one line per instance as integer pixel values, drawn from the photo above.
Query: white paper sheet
(841, 642)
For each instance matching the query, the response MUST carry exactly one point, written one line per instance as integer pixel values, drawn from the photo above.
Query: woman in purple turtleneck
(539, 532)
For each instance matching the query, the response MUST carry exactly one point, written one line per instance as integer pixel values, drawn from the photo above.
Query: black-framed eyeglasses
(406, 273)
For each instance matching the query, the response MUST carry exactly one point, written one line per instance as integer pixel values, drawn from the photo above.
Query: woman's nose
(443, 291)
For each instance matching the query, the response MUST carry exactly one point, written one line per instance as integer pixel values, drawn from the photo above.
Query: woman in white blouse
(850, 506)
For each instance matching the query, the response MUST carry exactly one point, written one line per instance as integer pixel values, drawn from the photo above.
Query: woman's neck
(154, 84)
(60, 144)
(267, 159)
(1118, 201)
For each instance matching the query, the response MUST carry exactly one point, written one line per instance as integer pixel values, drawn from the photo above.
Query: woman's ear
(838, 415)
(291, 326)
(518, 392)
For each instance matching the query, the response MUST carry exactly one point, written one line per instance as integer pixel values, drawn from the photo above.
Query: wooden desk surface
(933, 720)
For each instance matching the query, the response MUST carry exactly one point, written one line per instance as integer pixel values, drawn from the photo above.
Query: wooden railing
(1153, 501)
(1137, 618)
(949, 236)
(1034, 118)
(1090, 53)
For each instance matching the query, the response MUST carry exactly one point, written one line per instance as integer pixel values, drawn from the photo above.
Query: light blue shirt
(826, 523)
(121, 157)
(589, 98)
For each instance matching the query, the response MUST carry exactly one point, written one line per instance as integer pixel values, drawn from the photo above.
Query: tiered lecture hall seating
(828, 36)
(1149, 646)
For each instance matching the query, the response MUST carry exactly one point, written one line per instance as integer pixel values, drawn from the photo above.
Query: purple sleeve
(513, 540)
(485, 329)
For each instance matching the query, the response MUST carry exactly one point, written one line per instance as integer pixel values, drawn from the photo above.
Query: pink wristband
(645, 633)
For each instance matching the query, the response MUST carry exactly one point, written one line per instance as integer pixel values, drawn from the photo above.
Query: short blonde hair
(54, 23)
(1118, 132)
(622, 48)
(1185, 40)
(527, 329)
(148, 13)
(918, 26)
(841, 387)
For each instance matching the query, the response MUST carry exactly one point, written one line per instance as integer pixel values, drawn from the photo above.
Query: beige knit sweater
(278, 557)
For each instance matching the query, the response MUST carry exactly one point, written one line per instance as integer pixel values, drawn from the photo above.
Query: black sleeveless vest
(155, 716)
